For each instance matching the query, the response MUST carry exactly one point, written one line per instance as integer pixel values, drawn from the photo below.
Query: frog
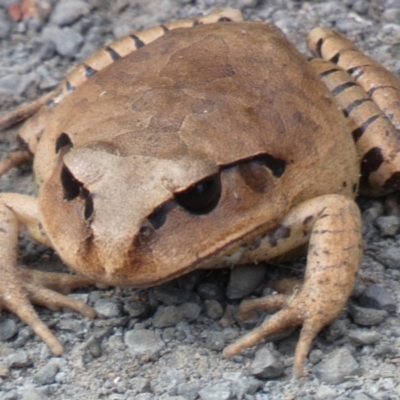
(203, 143)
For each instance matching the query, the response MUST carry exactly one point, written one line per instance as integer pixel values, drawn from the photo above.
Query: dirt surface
(166, 343)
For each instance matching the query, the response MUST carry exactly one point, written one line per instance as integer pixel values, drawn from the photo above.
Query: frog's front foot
(333, 224)
(22, 287)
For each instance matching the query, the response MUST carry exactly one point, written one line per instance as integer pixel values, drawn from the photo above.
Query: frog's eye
(73, 189)
(202, 197)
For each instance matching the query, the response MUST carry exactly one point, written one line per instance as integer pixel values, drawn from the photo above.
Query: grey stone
(361, 7)
(215, 340)
(220, 391)
(376, 296)
(336, 330)
(391, 15)
(17, 84)
(20, 358)
(325, 392)
(11, 395)
(390, 34)
(67, 12)
(46, 375)
(8, 328)
(144, 396)
(385, 350)
(363, 337)
(31, 393)
(110, 308)
(140, 385)
(66, 40)
(143, 342)
(390, 256)
(210, 291)
(190, 311)
(266, 365)
(367, 316)
(70, 324)
(337, 367)
(172, 296)
(361, 396)
(388, 225)
(189, 390)
(246, 386)
(5, 26)
(244, 280)
(167, 316)
(214, 309)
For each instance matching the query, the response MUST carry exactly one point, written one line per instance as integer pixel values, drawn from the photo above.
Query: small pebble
(142, 342)
(167, 316)
(363, 337)
(325, 392)
(8, 328)
(367, 316)
(337, 367)
(67, 12)
(266, 365)
(189, 390)
(210, 291)
(376, 296)
(390, 34)
(190, 311)
(172, 296)
(214, 309)
(215, 340)
(388, 225)
(18, 359)
(244, 280)
(390, 256)
(110, 307)
(66, 40)
(220, 391)
(46, 375)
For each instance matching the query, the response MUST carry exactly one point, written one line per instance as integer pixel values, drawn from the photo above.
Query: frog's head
(140, 220)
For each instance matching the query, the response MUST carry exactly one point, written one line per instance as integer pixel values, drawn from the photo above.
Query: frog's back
(225, 92)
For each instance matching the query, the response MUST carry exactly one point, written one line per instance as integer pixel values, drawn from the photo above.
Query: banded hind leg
(31, 131)
(332, 226)
(369, 96)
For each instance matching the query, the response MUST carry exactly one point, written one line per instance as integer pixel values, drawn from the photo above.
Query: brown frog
(204, 143)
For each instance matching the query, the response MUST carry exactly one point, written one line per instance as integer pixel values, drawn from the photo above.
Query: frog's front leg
(332, 224)
(21, 287)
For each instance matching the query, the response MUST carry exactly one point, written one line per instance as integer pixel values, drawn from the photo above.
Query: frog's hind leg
(370, 98)
(332, 223)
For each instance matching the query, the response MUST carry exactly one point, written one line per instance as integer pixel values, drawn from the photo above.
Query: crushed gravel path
(166, 342)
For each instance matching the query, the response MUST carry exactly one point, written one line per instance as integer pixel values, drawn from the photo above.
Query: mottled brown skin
(231, 103)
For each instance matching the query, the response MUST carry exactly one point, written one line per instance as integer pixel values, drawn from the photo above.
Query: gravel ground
(166, 342)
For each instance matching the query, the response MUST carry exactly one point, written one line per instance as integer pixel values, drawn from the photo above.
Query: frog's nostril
(144, 235)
